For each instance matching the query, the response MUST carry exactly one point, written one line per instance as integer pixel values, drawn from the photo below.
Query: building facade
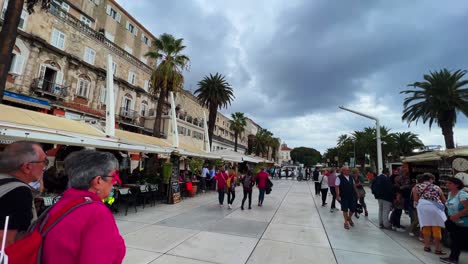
(284, 154)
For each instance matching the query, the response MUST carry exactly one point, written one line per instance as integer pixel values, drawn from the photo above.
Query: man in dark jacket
(382, 188)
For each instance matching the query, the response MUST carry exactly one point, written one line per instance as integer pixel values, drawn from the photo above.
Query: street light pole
(379, 141)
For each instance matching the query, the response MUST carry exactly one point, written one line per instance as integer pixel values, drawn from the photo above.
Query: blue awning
(27, 100)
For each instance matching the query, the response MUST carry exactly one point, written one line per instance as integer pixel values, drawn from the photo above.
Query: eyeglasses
(46, 162)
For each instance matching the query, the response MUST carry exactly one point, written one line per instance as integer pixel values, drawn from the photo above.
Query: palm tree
(405, 142)
(237, 124)
(275, 143)
(262, 139)
(8, 35)
(438, 99)
(167, 76)
(214, 92)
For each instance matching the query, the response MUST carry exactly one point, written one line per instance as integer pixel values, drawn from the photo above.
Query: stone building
(60, 60)
(284, 154)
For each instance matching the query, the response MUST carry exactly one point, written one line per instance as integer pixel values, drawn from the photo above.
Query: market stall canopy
(229, 155)
(437, 155)
(192, 150)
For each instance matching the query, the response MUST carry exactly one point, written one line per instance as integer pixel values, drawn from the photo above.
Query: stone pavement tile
(215, 247)
(199, 219)
(126, 227)
(239, 227)
(138, 256)
(302, 219)
(297, 234)
(274, 252)
(366, 241)
(158, 238)
(146, 217)
(349, 257)
(169, 259)
(261, 214)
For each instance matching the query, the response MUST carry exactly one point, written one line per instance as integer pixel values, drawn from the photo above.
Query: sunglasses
(46, 162)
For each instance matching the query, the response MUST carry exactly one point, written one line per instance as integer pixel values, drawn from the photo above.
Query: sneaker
(229, 206)
(331, 210)
(381, 226)
(400, 229)
(394, 228)
(242, 207)
(411, 234)
(448, 260)
(366, 214)
(250, 207)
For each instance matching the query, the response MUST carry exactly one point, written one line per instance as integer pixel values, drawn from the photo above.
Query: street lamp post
(379, 143)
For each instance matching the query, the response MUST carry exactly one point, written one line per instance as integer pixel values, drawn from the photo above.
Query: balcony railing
(51, 88)
(128, 113)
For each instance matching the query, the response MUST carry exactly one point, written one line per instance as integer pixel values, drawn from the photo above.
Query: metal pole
(175, 133)
(110, 101)
(379, 143)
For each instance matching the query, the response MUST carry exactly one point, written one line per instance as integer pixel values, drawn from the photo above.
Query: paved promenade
(291, 227)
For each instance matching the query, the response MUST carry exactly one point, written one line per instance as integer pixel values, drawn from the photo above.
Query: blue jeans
(221, 196)
(261, 196)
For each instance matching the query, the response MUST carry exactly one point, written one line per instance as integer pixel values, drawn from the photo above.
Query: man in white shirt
(204, 174)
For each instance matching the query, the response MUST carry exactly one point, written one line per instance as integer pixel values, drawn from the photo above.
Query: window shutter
(149, 42)
(142, 37)
(58, 81)
(118, 17)
(127, 26)
(108, 10)
(135, 31)
(103, 95)
(18, 64)
(41, 76)
(146, 87)
(55, 37)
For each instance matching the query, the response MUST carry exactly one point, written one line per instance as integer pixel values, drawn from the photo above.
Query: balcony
(128, 114)
(45, 87)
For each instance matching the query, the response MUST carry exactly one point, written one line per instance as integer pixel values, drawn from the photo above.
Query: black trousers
(221, 196)
(317, 188)
(324, 195)
(396, 217)
(459, 237)
(333, 192)
(203, 183)
(231, 196)
(249, 194)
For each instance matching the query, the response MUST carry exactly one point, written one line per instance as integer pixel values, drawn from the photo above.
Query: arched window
(83, 86)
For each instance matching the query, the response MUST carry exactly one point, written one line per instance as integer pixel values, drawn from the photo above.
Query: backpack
(28, 250)
(228, 182)
(247, 182)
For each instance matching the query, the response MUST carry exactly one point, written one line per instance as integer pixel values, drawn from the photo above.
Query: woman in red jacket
(262, 178)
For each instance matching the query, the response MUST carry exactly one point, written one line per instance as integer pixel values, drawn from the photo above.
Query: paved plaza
(291, 227)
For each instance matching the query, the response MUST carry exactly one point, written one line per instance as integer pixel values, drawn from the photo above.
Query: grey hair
(82, 166)
(17, 154)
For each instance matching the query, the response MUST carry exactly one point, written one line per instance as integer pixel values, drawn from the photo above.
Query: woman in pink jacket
(87, 234)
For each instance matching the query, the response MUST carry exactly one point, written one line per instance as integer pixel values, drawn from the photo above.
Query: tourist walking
(361, 192)
(248, 182)
(231, 187)
(20, 164)
(457, 224)
(90, 225)
(315, 176)
(221, 178)
(431, 213)
(204, 174)
(323, 179)
(262, 178)
(331, 184)
(382, 189)
(346, 194)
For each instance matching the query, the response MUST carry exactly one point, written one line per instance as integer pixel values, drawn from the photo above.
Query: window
(58, 39)
(114, 67)
(189, 132)
(131, 28)
(145, 39)
(146, 86)
(17, 64)
(86, 20)
(113, 13)
(144, 109)
(131, 77)
(109, 36)
(23, 18)
(128, 49)
(89, 55)
(83, 87)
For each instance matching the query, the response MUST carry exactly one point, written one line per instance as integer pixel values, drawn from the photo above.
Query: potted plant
(195, 166)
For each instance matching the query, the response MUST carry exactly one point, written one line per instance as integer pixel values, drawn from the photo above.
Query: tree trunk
(212, 122)
(235, 141)
(159, 110)
(447, 131)
(8, 39)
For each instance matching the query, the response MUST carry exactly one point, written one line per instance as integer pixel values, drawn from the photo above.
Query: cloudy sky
(292, 63)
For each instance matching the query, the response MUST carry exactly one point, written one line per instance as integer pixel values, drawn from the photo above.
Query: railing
(73, 21)
(48, 87)
(128, 113)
